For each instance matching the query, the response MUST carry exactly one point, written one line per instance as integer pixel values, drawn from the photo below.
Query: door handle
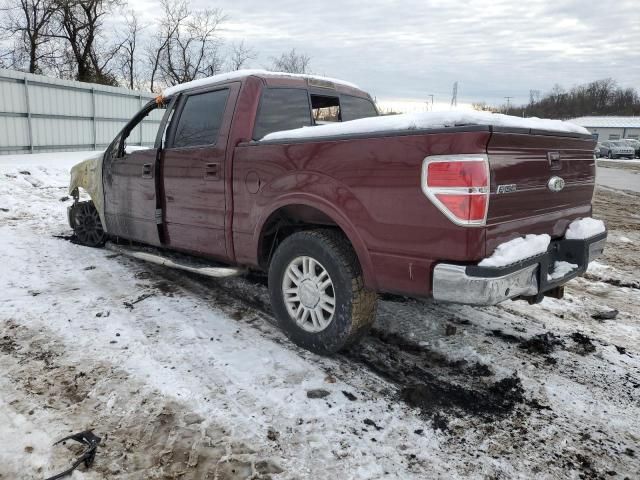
(146, 170)
(212, 172)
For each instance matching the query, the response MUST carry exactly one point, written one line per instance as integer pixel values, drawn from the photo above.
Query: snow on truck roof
(425, 120)
(238, 74)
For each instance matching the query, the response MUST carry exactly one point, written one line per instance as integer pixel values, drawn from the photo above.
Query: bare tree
(80, 24)
(175, 12)
(240, 55)
(28, 22)
(291, 62)
(129, 51)
(187, 45)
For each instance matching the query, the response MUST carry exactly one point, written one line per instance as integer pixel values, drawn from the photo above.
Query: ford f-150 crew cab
(299, 177)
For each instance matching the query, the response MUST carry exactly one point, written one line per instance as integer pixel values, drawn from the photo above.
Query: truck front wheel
(317, 291)
(87, 226)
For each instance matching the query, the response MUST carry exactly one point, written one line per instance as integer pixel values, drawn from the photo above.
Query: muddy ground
(187, 377)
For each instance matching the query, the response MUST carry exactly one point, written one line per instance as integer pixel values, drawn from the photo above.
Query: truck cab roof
(272, 79)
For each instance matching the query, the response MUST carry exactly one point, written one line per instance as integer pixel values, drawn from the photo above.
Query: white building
(611, 128)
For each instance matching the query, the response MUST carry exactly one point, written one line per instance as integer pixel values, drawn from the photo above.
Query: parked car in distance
(635, 144)
(616, 149)
(241, 176)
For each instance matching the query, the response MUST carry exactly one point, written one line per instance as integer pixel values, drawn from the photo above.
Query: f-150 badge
(507, 188)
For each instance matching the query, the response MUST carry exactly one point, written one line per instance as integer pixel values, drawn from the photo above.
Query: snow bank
(414, 121)
(516, 250)
(560, 269)
(222, 77)
(584, 228)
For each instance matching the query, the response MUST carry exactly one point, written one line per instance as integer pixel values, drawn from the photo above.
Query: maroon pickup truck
(336, 219)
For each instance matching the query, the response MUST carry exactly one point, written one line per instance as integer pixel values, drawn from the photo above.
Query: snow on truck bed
(424, 120)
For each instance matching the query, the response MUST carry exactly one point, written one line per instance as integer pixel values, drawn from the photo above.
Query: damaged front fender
(88, 176)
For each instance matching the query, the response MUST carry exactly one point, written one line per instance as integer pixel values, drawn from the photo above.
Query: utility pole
(508, 102)
(454, 96)
(431, 96)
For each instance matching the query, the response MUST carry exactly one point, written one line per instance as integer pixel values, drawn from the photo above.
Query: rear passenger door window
(282, 109)
(200, 119)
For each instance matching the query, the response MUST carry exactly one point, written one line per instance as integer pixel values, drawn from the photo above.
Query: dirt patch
(497, 399)
(542, 344)
(507, 337)
(145, 435)
(583, 342)
(434, 383)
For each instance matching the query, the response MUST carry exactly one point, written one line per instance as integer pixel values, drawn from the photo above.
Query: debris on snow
(350, 396)
(584, 228)
(371, 423)
(317, 393)
(91, 442)
(517, 249)
(450, 330)
(605, 315)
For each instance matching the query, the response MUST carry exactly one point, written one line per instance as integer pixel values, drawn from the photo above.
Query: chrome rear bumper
(452, 284)
(473, 285)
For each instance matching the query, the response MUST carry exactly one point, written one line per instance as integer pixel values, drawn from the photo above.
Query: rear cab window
(284, 108)
(325, 109)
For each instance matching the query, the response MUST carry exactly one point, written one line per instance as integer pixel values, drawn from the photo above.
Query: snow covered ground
(186, 377)
(620, 178)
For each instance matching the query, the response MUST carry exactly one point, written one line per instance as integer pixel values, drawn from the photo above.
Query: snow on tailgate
(424, 120)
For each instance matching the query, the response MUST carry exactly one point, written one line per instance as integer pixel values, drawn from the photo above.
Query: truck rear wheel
(87, 225)
(317, 291)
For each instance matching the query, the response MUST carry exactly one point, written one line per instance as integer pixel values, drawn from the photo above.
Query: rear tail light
(459, 186)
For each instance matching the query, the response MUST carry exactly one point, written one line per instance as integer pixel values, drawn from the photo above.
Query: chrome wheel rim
(309, 294)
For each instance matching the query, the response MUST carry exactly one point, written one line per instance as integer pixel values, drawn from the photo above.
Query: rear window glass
(325, 109)
(200, 119)
(282, 109)
(353, 108)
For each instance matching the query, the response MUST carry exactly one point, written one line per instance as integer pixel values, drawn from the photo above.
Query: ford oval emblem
(555, 184)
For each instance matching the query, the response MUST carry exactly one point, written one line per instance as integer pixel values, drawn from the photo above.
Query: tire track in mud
(422, 378)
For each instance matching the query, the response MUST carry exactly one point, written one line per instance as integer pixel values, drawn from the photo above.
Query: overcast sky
(404, 51)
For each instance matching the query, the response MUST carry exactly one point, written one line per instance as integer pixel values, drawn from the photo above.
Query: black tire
(355, 306)
(609, 155)
(87, 226)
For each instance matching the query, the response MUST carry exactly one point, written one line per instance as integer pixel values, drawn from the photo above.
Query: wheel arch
(87, 175)
(301, 213)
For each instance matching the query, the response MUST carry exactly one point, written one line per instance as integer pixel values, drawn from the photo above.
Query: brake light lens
(459, 186)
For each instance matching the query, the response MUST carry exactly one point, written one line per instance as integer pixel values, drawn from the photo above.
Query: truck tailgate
(522, 164)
